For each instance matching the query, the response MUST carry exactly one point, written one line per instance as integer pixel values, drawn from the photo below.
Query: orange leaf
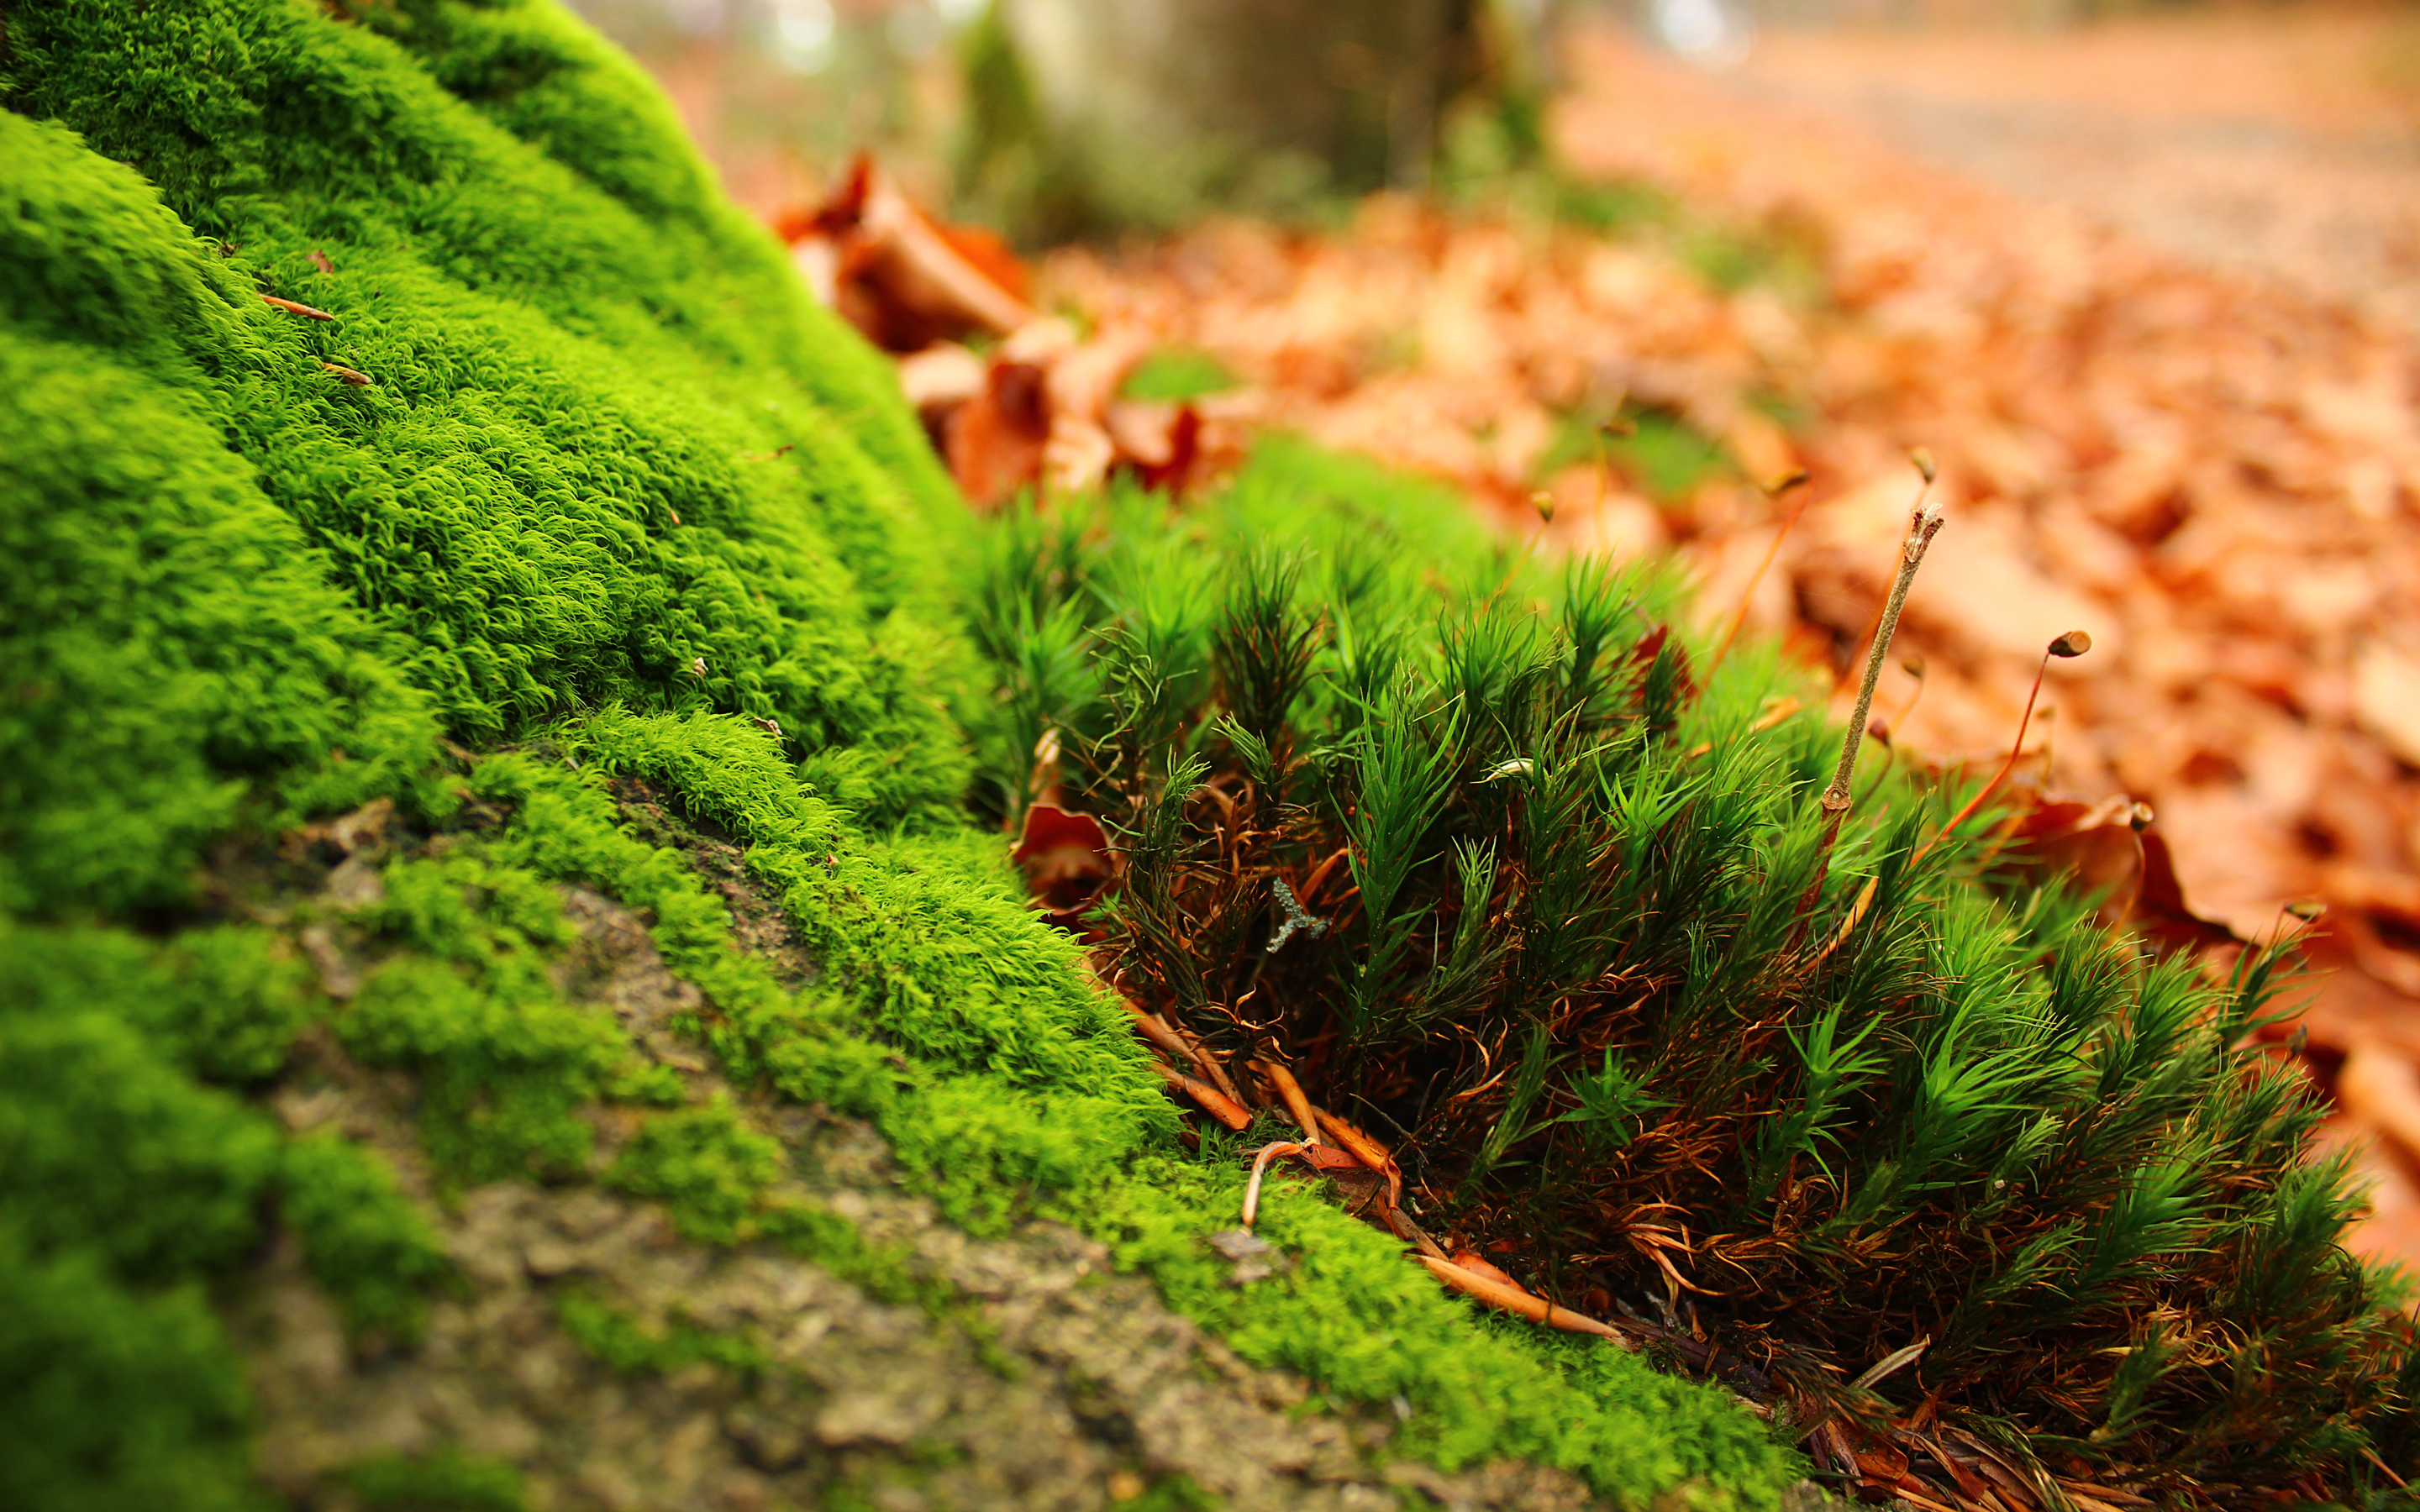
(1067, 860)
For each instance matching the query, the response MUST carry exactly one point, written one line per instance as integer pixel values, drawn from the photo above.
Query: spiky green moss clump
(614, 503)
(1573, 939)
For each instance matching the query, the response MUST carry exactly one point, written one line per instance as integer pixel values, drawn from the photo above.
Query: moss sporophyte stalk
(435, 526)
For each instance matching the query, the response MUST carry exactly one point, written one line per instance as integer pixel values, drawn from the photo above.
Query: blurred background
(2145, 278)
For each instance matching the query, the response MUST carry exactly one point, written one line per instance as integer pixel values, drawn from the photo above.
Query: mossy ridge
(608, 436)
(1587, 950)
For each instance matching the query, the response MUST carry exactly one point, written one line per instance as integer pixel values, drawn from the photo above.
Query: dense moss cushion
(610, 461)
(608, 441)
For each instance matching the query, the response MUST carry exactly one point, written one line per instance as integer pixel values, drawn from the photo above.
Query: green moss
(113, 1395)
(443, 1480)
(1359, 1322)
(504, 1063)
(364, 1241)
(707, 1165)
(619, 497)
(578, 349)
(1594, 946)
(631, 1347)
(1177, 374)
(109, 1148)
(1657, 451)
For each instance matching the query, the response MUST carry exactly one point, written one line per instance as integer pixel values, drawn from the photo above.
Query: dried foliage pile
(1503, 865)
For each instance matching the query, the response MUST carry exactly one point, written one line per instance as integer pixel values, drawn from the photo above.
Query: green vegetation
(618, 505)
(1364, 1324)
(1660, 453)
(632, 1348)
(1177, 374)
(1644, 1030)
(367, 1244)
(446, 1480)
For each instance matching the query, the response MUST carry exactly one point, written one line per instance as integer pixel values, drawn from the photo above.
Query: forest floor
(2280, 143)
(2151, 296)
(2149, 291)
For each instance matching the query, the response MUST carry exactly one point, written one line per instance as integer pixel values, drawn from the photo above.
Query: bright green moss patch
(609, 434)
(707, 1165)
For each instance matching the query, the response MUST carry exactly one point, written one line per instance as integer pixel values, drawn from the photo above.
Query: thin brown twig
(1512, 1298)
(1923, 524)
(1260, 1169)
(295, 308)
(1209, 1062)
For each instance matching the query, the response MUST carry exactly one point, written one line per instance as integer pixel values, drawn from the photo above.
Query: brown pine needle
(1368, 1150)
(1260, 1169)
(1856, 915)
(1153, 1027)
(1211, 1066)
(1512, 1298)
(294, 307)
(1290, 1092)
(1212, 1101)
(352, 375)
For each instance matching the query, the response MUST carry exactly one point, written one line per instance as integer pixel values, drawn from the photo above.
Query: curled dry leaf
(1043, 411)
(2112, 851)
(1067, 860)
(902, 277)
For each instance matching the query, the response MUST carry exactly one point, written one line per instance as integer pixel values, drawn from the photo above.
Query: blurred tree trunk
(1105, 112)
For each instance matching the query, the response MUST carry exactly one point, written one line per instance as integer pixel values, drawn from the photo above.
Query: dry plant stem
(1366, 1150)
(1400, 1224)
(1260, 1169)
(1155, 1028)
(2007, 766)
(1512, 1299)
(1212, 1101)
(1290, 1092)
(1180, 1047)
(1924, 523)
(295, 308)
(1211, 1066)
